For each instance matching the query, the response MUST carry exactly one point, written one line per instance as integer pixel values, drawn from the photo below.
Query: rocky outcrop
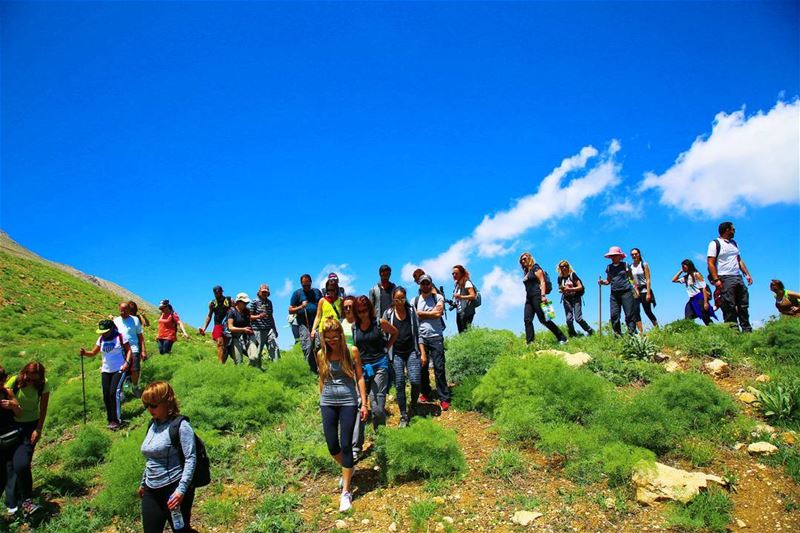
(658, 482)
(572, 359)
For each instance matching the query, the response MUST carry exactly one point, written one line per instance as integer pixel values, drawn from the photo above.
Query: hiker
(572, 289)
(725, 269)
(303, 304)
(10, 432)
(381, 294)
(335, 279)
(292, 320)
(417, 274)
(536, 281)
(117, 361)
(168, 324)
(131, 329)
(429, 307)
(623, 291)
(165, 489)
(699, 305)
(349, 320)
(464, 295)
(342, 389)
(218, 307)
(263, 321)
(33, 395)
(787, 302)
(243, 341)
(640, 271)
(407, 353)
(373, 348)
(133, 308)
(329, 306)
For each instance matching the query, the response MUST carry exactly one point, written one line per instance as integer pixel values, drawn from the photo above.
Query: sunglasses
(425, 283)
(348, 307)
(150, 405)
(399, 299)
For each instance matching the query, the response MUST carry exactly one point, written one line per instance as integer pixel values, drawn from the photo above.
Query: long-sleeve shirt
(164, 461)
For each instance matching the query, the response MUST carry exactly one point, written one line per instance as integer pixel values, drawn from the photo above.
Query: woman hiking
(330, 306)
(464, 295)
(168, 324)
(407, 353)
(535, 295)
(699, 305)
(622, 297)
(117, 361)
(640, 272)
(786, 302)
(10, 432)
(571, 288)
(341, 387)
(243, 339)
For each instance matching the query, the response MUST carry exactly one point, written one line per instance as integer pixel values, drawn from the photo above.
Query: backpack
(575, 280)
(478, 298)
(202, 468)
(548, 285)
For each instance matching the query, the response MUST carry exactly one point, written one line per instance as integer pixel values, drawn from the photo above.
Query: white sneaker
(345, 502)
(11, 511)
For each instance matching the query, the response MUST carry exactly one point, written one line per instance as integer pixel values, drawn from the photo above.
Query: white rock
(763, 378)
(762, 448)
(448, 519)
(761, 427)
(341, 524)
(393, 527)
(661, 482)
(672, 366)
(748, 398)
(718, 368)
(365, 522)
(572, 359)
(439, 526)
(524, 518)
(740, 523)
(738, 446)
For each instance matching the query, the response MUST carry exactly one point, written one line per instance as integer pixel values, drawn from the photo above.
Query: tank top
(638, 275)
(339, 388)
(371, 344)
(333, 310)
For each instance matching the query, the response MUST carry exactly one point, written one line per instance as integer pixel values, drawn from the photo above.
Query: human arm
(202, 331)
(11, 403)
(436, 312)
(713, 277)
(90, 353)
(44, 400)
(540, 276)
(677, 277)
(180, 325)
(253, 314)
(743, 268)
(186, 434)
(390, 330)
(362, 387)
(647, 281)
(317, 319)
(470, 293)
(141, 346)
(234, 329)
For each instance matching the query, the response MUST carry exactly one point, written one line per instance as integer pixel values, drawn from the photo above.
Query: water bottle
(177, 519)
(547, 307)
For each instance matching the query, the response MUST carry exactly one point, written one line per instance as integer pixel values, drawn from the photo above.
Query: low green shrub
(505, 464)
(619, 459)
(277, 514)
(518, 425)
(696, 451)
(88, 448)
(462, 393)
(66, 403)
(218, 511)
(64, 481)
(780, 401)
(621, 371)
(473, 352)
(715, 340)
(75, 518)
(639, 347)
(420, 512)
(776, 342)
(423, 450)
(708, 511)
(121, 476)
(695, 397)
(291, 370)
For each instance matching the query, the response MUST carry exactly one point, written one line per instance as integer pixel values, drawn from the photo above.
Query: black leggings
(647, 307)
(338, 422)
(533, 307)
(19, 482)
(112, 394)
(464, 321)
(155, 513)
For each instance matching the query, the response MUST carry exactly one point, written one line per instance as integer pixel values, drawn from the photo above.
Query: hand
(457, 296)
(313, 334)
(599, 281)
(5, 404)
(544, 298)
(304, 304)
(83, 351)
(141, 492)
(718, 283)
(37, 433)
(749, 279)
(201, 331)
(423, 359)
(648, 297)
(144, 356)
(705, 306)
(248, 330)
(364, 412)
(175, 500)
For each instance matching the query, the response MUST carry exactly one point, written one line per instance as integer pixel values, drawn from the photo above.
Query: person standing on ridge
(381, 294)
(622, 298)
(725, 269)
(131, 329)
(640, 272)
(218, 308)
(536, 284)
(263, 322)
(786, 302)
(572, 289)
(429, 307)
(407, 353)
(464, 295)
(303, 305)
(168, 324)
(699, 305)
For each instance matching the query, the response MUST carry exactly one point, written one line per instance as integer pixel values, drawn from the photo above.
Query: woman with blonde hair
(535, 295)
(341, 385)
(572, 289)
(464, 295)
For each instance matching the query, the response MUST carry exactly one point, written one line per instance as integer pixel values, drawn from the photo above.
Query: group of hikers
(357, 345)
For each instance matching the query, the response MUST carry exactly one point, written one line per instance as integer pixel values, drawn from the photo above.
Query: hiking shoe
(403, 422)
(29, 507)
(11, 511)
(423, 398)
(345, 502)
(445, 405)
(562, 341)
(113, 426)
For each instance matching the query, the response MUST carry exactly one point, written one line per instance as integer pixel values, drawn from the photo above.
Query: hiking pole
(600, 309)
(83, 385)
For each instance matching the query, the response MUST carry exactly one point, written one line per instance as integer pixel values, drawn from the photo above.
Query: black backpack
(548, 285)
(202, 468)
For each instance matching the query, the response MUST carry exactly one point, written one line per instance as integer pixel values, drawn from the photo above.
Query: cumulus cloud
(346, 277)
(626, 208)
(286, 289)
(503, 291)
(743, 161)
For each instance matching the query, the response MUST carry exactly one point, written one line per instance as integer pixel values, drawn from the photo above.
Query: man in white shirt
(131, 330)
(725, 269)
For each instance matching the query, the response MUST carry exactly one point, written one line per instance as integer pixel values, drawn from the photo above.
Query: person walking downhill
(10, 432)
(464, 295)
(243, 341)
(725, 269)
(381, 294)
(168, 324)
(373, 348)
(640, 271)
(699, 305)
(786, 302)
(218, 308)
(535, 284)
(32, 390)
(342, 389)
(263, 321)
(622, 298)
(572, 289)
(303, 305)
(407, 353)
(349, 320)
(131, 329)
(330, 306)
(117, 360)
(429, 307)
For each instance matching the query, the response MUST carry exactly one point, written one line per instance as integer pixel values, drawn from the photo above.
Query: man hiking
(303, 305)
(130, 327)
(381, 294)
(263, 323)
(430, 308)
(725, 269)
(218, 308)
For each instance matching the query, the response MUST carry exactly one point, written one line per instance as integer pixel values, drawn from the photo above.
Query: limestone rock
(718, 368)
(572, 359)
(762, 448)
(763, 428)
(448, 519)
(672, 366)
(439, 526)
(341, 524)
(438, 500)
(738, 446)
(393, 527)
(763, 378)
(789, 437)
(748, 398)
(661, 482)
(740, 523)
(525, 518)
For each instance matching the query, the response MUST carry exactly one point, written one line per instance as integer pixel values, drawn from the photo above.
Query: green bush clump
(65, 409)
(291, 370)
(621, 371)
(777, 341)
(226, 397)
(277, 514)
(299, 442)
(420, 512)
(715, 340)
(695, 397)
(88, 448)
(473, 352)
(619, 460)
(121, 476)
(639, 347)
(708, 511)
(422, 450)
(518, 425)
(462, 393)
(780, 401)
(76, 518)
(642, 421)
(505, 464)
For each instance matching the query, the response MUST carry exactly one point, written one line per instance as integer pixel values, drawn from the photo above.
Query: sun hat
(333, 275)
(164, 303)
(104, 326)
(242, 297)
(615, 250)
(424, 277)
(263, 287)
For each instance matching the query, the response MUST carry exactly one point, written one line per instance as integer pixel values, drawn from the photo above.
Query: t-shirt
(313, 296)
(168, 326)
(6, 415)
(259, 306)
(28, 398)
(404, 344)
(728, 258)
(464, 306)
(130, 328)
(382, 298)
(430, 327)
(371, 344)
(220, 309)
(347, 327)
(693, 286)
(533, 289)
(113, 353)
(569, 282)
(618, 274)
(240, 320)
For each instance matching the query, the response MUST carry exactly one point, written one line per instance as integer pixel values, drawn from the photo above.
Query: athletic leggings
(112, 394)
(19, 482)
(400, 363)
(155, 513)
(338, 422)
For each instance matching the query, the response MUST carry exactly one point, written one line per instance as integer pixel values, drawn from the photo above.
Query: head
(334, 278)
(332, 289)
(418, 273)
(165, 307)
(333, 341)
(124, 310)
(687, 265)
(526, 261)
(217, 290)
(726, 230)
(241, 301)
(263, 291)
(399, 298)
(777, 286)
(564, 268)
(305, 282)
(364, 309)
(160, 401)
(32, 374)
(133, 307)
(460, 274)
(425, 284)
(385, 272)
(349, 307)
(107, 329)
(636, 255)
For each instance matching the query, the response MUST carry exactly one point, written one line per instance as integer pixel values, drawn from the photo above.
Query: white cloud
(286, 290)
(503, 291)
(346, 278)
(627, 208)
(439, 267)
(753, 161)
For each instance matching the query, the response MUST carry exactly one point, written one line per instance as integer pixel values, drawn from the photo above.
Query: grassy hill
(526, 431)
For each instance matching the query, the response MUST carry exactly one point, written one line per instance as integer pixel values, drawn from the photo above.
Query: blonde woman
(535, 295)
(572, 289)
(341, 385)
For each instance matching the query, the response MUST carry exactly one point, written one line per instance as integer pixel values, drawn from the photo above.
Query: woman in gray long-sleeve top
(166, 490)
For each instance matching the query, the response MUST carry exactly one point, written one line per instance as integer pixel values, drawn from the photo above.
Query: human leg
(239, 350)
(728, 300)
(399, 363)
(549, 324)
(21, 462)
(435, 349)
(615, 304)
(529, 311)
(570, 317)
(261, 338)
(108, 396)
(253, 350)
(379, 386)
(117, 385)
(577, 308)
(631, 309)
(308, 348)
(742, 296)
(155, 513)
(272, 345)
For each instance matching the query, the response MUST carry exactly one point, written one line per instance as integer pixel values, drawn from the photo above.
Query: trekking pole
(83, 385)
(600, 309)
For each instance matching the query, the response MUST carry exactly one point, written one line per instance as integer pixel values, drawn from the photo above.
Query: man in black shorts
(218, 308)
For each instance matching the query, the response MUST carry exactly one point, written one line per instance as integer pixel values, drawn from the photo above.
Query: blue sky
(172, 146)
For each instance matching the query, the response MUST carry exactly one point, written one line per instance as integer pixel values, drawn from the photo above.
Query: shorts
(136, 366)
(217, 332)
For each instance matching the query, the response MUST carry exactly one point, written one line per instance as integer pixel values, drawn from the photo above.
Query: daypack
(575, 281)
(548, 285)
(202, 468)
